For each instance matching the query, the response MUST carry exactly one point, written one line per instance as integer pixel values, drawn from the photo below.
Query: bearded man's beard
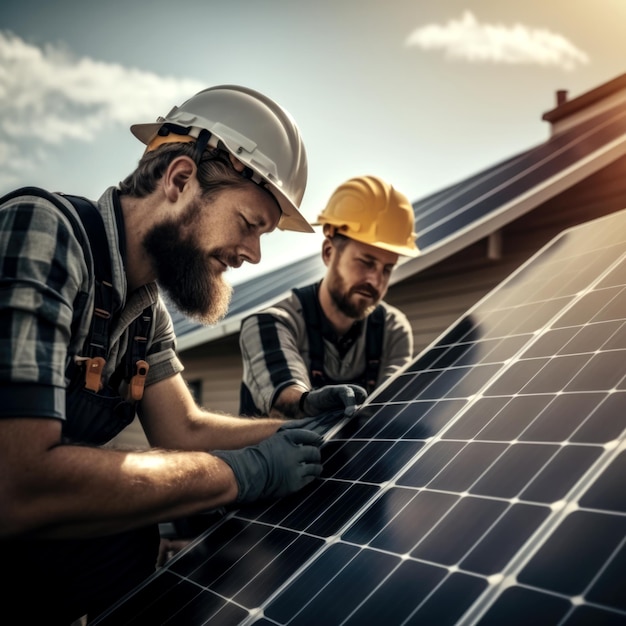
(184, 274)
(356, 310)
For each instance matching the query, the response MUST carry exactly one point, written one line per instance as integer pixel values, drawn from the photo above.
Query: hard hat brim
(401, 250)
(145, 132)
(383, 245)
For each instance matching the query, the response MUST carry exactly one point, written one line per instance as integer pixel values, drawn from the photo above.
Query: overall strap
(97, 256)
(374, 335)
(98, 339)
(313, 322)
(135, 367)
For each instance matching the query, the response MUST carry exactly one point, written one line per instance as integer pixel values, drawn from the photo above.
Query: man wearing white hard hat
(86, 344)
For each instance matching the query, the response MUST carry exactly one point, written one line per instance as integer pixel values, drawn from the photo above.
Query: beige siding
(217, 365)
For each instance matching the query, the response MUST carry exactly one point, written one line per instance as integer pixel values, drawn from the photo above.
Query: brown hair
(215, 172)
(338, 240)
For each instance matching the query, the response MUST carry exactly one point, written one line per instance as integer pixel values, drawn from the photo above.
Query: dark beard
(184, 274)
(342, 300)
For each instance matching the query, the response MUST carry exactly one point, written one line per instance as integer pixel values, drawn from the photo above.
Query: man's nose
(376, 278)
(251, 251)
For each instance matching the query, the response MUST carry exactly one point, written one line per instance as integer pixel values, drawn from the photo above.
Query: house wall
(441, 294)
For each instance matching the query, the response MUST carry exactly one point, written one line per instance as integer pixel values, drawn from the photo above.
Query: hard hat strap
(173, 133)
(201, 144)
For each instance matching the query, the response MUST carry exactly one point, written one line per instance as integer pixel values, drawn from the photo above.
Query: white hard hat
(256, 131)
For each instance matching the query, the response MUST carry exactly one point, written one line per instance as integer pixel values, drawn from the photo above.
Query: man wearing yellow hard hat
(326, 346)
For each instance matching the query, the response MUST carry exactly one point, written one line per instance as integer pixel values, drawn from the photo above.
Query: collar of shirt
(344, 342)
(119, 220)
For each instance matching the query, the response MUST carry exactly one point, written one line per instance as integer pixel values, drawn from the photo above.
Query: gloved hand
(276, 467)
(333, 397)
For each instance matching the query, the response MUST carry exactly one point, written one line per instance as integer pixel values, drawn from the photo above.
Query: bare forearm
(231, 433)
(213, 431)
(287, 403)
(106, 491)
(172, 420)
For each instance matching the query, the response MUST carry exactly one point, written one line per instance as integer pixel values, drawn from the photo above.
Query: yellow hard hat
(370, 210)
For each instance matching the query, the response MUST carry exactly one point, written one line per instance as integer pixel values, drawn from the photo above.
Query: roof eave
(512, 210)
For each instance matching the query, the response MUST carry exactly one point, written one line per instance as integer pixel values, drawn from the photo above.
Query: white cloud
(48, 96)
(469, 40)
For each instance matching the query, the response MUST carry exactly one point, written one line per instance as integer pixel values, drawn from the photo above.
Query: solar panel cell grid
(482, 485)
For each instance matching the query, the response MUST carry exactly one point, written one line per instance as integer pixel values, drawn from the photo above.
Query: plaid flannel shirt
(46, 300)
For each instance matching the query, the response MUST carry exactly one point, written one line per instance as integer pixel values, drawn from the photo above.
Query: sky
(420, 93)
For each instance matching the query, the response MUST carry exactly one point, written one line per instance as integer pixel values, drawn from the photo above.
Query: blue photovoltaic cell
(484, 484)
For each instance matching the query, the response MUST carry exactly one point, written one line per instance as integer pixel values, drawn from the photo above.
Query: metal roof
(453, 218)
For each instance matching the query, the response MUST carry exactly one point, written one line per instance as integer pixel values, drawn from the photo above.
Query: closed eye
(372, 264)
(248, 225)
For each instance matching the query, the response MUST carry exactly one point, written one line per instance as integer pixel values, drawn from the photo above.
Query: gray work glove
(332, 398)
(276, 467)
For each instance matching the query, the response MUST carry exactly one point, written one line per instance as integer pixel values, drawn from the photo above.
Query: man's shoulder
(47, 212)
(285, 310)
(393, 314)
(44, 204)
(34, 197)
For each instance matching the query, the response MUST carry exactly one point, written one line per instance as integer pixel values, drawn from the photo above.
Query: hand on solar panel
(333, 398)
(276, 467)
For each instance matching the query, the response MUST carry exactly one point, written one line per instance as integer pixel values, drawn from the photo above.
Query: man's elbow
(14, 515)
(24, 509)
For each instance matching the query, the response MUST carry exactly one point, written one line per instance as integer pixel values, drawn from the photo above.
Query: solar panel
(454, 209)
(484, 484)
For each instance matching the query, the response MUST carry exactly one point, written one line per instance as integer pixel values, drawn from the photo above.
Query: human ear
(327, 250)
(177, 176)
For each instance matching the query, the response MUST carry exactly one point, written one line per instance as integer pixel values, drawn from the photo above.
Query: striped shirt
(46, 301)
(275, 350)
